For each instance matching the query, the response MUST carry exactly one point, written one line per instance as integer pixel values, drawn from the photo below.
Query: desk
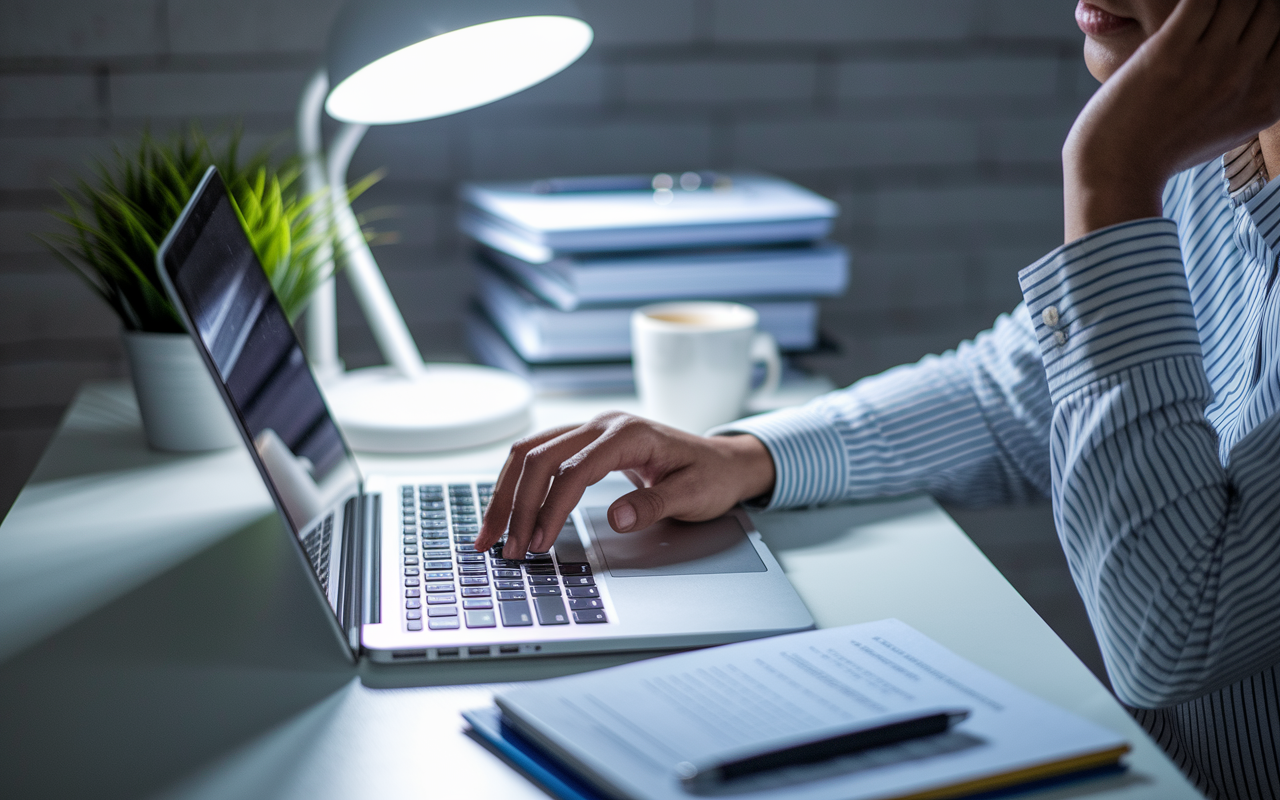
(155, 640)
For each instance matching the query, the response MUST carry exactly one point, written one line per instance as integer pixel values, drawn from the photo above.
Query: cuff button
(1050, 317)
(1059, 338)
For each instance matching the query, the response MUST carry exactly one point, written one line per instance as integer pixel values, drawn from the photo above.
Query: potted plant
(117, 223)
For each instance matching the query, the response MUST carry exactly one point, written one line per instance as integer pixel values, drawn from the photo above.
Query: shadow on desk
(173, 674)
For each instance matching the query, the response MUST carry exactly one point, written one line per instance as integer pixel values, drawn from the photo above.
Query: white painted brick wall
(935, 123)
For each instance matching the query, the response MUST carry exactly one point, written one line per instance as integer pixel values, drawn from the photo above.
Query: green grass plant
(118, 221)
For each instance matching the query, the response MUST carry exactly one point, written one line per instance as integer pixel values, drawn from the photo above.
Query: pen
(863, 735)
(688, 181)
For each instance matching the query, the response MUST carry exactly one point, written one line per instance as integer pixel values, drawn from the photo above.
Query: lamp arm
(322, 310)
(380, 310)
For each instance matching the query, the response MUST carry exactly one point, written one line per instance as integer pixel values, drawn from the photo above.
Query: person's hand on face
(1184, 81)
(678, 475)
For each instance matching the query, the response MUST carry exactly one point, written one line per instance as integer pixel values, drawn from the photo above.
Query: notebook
(621, 732)
(541, 333)
(533, 222)
(570, 281)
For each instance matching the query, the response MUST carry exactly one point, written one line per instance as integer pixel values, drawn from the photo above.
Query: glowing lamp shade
(451, 71)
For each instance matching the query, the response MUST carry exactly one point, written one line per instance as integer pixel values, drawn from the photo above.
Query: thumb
(639, 509)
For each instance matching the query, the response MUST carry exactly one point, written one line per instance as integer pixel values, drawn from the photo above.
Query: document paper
(626, 728)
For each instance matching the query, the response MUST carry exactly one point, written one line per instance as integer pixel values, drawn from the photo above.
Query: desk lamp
(393, 61)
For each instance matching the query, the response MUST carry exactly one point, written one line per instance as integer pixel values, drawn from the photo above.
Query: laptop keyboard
(448, 585)
(316, 543)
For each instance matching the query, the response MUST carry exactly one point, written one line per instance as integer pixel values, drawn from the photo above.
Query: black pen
(863, 735)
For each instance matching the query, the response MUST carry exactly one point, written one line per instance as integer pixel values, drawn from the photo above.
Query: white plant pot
(182, 410)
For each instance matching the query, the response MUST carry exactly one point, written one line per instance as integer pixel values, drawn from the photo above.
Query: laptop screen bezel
(170, 257)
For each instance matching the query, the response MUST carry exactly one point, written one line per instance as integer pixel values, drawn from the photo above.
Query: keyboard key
(475, 591)
(545, 591)
(412, 592)
(515, 613)
(441, 599)
(506, 563)
(550, 611)
(579, 580)
(433, 515)
(434, 538)
(543, 580)
(585, 603)
(508, 584)
(413, 615)
(411, 582)
(471, 557)
(412, 602)
(470, 538)
(410, 540)
(583, 591)
(438, 565)
(411, 550)
(475, 580)
(442, 611)
(411, 571)
(443, 623)
(480, 618)
(472, 569)
(411, 561)
(589, 617)
(439, 586)
(441, 575)
(575, 569)
(506, 573)
(431, 505)
(511, 595)
(538, 558)
(414, 625)
(469, 527)
(540, 569)
(433, 552)
(477, 602)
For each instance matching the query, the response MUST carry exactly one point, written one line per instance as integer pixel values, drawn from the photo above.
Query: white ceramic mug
(693, 362)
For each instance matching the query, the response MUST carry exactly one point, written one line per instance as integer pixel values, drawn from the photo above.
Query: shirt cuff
(1109, 301)
(809, 458)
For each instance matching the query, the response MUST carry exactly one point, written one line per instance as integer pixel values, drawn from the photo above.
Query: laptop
(392, 557)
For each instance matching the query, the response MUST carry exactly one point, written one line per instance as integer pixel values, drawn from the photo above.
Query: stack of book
(562, 263)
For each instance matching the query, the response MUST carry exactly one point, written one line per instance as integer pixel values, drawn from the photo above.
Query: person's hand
(679, 475)
(1206, 81)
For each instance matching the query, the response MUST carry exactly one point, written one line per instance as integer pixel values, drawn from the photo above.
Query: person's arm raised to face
(677, 475)
(1179, 90)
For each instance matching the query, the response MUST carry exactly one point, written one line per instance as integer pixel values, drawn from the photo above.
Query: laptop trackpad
(675, 548)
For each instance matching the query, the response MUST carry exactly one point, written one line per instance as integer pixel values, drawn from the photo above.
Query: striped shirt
(1137, 385)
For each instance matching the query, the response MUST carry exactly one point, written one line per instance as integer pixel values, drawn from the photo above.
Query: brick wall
(935, 123)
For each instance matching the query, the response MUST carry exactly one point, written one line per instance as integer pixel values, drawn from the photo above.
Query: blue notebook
(620, 732)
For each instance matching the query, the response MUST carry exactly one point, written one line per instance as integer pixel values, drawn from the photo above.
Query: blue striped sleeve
(969, 426)
(1109, 301)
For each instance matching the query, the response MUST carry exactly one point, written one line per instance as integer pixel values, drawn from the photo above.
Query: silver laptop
(392, 558)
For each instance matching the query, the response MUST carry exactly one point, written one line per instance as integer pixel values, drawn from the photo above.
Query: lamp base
(447, 407)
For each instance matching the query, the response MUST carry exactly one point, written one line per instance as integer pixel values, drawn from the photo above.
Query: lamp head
(405, 60)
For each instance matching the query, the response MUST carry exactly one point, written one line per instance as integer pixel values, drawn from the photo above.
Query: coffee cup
(693, 362)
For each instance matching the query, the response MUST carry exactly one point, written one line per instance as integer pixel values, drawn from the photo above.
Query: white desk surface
(156, 641)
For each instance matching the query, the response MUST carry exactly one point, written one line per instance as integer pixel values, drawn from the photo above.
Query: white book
(533, 223)
(625, 730)
(491, 349)
(797, 386)
(541, 333)
(572, 280)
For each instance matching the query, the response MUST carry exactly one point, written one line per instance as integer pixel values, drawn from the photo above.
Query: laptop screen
(230, 303)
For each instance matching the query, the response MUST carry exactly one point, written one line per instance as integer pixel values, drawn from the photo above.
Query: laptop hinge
(349, 589)
(371, 600)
